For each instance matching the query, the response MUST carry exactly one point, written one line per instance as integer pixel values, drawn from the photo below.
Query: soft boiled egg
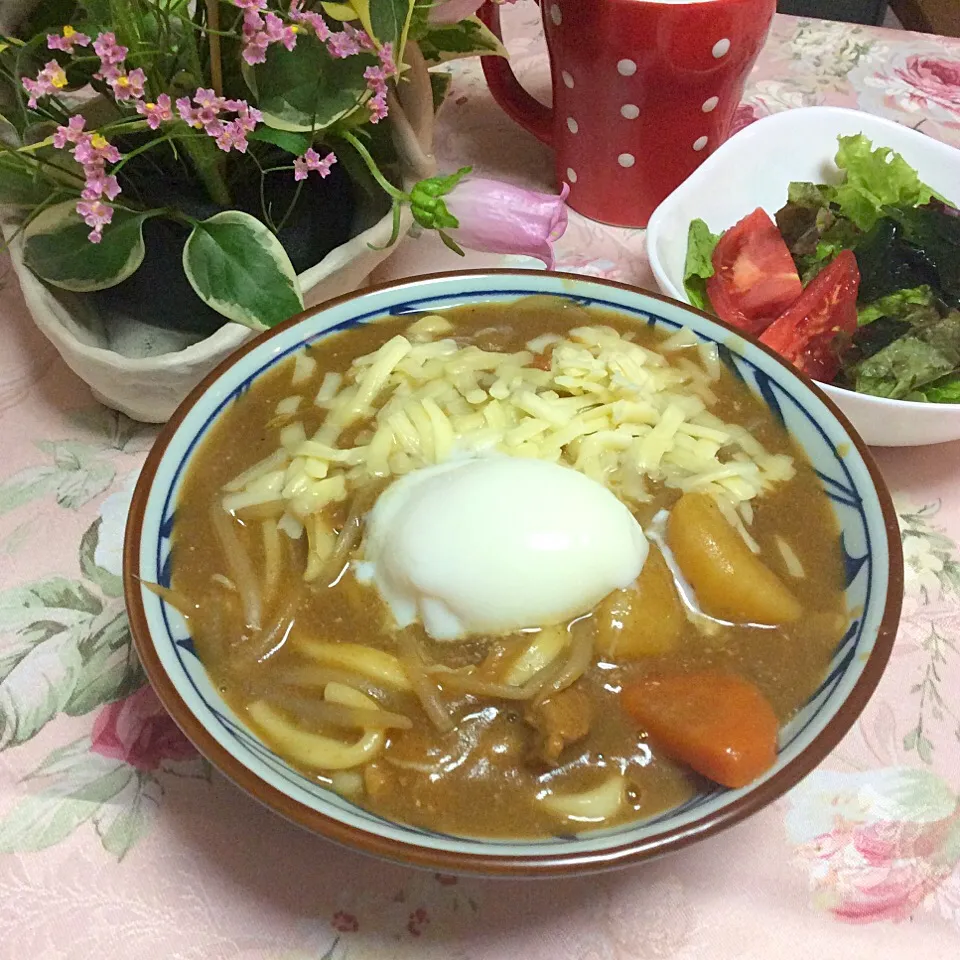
(498, 544)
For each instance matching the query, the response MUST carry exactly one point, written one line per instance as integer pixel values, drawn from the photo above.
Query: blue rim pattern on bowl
(840, 467)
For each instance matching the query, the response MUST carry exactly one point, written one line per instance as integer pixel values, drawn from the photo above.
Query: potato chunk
(730, 582)
(643, 620)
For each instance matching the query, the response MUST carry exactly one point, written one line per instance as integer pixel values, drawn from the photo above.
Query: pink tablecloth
(116, 841)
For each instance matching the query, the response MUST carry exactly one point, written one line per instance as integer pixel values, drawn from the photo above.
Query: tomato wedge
(806, 333)
(717, 723)
(754, 278)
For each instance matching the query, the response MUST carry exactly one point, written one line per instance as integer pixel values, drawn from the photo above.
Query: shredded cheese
(626, 415)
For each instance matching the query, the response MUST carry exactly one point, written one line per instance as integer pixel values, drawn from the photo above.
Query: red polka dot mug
(643, 92)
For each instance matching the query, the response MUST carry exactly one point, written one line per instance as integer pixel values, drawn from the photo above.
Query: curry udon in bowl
(511, 572)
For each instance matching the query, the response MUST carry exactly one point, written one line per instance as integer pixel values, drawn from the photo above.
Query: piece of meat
(561, 720)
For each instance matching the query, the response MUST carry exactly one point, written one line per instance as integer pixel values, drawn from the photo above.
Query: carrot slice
(718, 724)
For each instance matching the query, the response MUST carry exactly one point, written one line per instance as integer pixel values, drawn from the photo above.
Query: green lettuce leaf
(699, 264)
(913, 305)
(946, 390)
(921, 358)
(875, 178)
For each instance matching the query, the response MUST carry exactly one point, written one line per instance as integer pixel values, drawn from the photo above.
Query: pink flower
(49, 80)
(111, 55)
(311, 161)
(156, 113)
(377, 105)
(70, 39)
(497, 217)
(71, 133)
(95, 214)
(232, 136)
(208, 99)
(348, 42)
(138, 731)
(250, 4)
(931, 81)
(127, 86)
(278, 33)
(92, 151)
(376, 78)
(259, 32)
(95, 150)
(100, 184)
(313, 20)
(229, 134)
(187, 112)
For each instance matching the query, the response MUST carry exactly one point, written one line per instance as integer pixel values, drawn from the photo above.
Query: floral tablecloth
(117, 841)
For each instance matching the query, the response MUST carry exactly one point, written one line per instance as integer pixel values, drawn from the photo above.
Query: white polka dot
(626, 159)
(721, 48)
(710, 105)
(626, 68)
(555, 14)
(567, 79)
(699, 144)
(630, 111)
(572, 125)
(571, 175)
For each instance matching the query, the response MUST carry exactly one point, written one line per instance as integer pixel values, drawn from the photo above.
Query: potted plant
(175, 175)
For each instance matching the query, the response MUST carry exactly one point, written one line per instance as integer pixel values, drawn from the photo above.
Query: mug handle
(526, 110)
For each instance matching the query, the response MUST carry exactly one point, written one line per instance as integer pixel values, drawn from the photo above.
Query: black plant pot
(158, 293)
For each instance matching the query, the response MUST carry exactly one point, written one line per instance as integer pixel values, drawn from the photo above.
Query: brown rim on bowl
(548, 864)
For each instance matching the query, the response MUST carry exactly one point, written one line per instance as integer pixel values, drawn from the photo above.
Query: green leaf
(306, 89)
(21, 184)
(109, 671)
(294, 143)
(340, 11)
(238, 267)
(110, 584)
(439, 86)
(389, 21)
(903, 368)
(470, 37)
(57, 249)
(38, 688)
(875, 179)
(698, 267)
(128, 816)
(899, 305)
(43, 819)
(944, 391)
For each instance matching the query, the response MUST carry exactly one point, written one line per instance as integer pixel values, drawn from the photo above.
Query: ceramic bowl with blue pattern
(869, 540)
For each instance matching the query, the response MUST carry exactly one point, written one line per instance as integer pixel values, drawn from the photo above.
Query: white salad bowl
(869, 539)
(754, 169)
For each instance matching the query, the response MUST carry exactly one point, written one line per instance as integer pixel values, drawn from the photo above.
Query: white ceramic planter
(145, 372)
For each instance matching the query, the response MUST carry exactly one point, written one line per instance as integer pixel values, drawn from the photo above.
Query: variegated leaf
(57, 249)
(468, 38)
(238, 267)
